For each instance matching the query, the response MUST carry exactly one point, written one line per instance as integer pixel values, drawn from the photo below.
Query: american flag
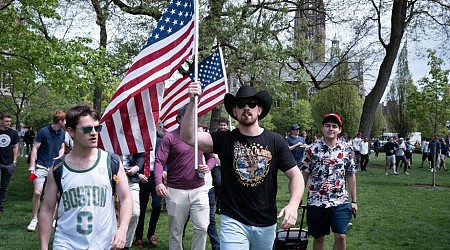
(130, 120)
(211, 74)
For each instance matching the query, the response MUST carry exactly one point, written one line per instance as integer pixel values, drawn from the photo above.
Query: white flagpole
(196, 80)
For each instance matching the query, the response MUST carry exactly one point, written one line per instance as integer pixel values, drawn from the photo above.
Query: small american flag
(211, 74)
(130, 120)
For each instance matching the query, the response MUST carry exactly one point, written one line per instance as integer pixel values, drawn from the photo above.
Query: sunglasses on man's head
(251, 104)
(88, 129)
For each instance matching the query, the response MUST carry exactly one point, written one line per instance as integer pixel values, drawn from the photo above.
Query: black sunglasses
(88, 129)
(251, 104)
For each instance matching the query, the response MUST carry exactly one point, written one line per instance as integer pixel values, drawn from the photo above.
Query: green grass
(395, 212)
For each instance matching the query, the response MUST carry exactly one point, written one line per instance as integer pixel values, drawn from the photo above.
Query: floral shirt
(327, 168)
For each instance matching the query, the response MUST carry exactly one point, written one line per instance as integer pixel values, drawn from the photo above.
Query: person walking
(400, 156)
(364, 150)
(147, 189)
(28, 139)
(376, 147)
(389, 149)
(329, 169)
(434, 149)
(21, 133)
(444, 152)
(86, 213)
(250, 158)
(424, 150)
(185, 193)
(134, 165)
(48, 146)
(356, 146)
(296, 143)
(9, 151)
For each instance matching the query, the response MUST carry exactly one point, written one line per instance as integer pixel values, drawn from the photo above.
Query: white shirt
(364, 148)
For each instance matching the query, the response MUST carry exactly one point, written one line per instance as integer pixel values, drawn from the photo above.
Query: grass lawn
(395, 212)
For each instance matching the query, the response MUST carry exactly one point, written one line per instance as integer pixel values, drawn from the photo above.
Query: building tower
(310, 27)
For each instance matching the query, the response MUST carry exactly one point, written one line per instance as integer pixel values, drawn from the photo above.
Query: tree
(432, 101)
(299, 113)
(342, 99)
(399, 112)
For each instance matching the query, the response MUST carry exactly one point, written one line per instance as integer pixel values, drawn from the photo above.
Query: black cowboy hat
(247, 92)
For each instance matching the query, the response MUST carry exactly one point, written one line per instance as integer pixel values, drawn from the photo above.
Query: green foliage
(342, 99)
(432, 100)
(400, 118)
(299, 113)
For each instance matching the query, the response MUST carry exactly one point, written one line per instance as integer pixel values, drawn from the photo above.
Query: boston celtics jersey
(86, 217)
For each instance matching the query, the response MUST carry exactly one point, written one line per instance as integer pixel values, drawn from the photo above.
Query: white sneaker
(386, 173)
(406, 173)
(32, 225)
(396, 173)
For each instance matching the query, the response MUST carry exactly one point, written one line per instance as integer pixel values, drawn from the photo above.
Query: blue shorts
(320, 219)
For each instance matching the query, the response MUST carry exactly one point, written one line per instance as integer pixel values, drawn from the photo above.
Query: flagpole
(226, 80)
(196, 80)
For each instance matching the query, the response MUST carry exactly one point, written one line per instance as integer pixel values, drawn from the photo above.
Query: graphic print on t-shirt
(5, 140)
(251, 163)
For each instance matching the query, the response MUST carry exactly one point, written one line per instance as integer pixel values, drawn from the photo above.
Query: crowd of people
(81, 203)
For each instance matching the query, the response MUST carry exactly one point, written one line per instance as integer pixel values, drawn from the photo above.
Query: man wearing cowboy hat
(250, 158)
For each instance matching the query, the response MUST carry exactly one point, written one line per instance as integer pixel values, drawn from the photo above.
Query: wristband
(354, 202)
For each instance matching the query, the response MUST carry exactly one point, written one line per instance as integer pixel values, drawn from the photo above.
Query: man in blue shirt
(296, 143)
(48, 146)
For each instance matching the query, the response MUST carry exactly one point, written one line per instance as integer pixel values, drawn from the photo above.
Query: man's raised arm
(205, 142)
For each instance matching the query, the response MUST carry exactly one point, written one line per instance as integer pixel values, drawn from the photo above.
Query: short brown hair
(5, 115)
(58, 115)
(74, 114)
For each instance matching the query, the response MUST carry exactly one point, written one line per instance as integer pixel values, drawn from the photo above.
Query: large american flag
(211, 74)
(130, 120)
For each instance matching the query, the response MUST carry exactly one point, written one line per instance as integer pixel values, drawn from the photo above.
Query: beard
(247, 119)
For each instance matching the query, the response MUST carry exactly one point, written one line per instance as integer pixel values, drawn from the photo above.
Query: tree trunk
(215, 117)
(398, 22)
(102, 13)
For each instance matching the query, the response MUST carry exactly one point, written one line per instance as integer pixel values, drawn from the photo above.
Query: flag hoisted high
(211, 74)
(128, 127)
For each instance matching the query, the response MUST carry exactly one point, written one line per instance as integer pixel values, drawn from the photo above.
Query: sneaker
(406, 173)
(386, 173)
(396, 173)
(32, 225)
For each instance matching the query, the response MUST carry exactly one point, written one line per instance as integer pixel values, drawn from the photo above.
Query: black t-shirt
(249, 167)
(388, 147)
(8, 138)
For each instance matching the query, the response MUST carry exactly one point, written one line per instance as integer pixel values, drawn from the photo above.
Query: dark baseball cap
(294, 127)
(332, 117)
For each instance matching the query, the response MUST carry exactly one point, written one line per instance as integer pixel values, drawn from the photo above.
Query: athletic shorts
(41, 172)
(320, 219)
(390, 159)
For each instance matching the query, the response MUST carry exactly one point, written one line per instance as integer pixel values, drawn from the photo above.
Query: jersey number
(84, 223)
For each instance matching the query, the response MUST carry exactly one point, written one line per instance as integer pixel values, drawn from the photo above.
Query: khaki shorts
(42, 173)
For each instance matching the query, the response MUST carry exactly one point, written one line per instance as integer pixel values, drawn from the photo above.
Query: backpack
(113, 167)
